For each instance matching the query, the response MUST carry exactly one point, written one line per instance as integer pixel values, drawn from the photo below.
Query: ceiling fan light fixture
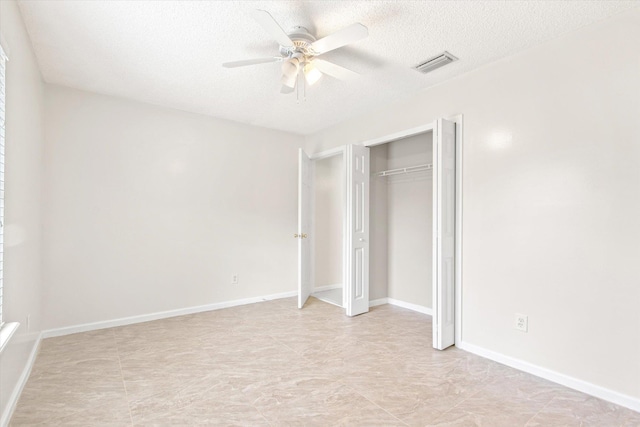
(290, 68)
(311, 73)
(289, 81)
(299, 50)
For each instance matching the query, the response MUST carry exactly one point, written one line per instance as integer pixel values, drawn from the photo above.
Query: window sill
(6, 332)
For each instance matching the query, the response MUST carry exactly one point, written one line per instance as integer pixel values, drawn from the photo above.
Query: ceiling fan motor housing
(302, 40)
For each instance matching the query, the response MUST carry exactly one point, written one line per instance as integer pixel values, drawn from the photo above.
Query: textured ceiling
(170, 52)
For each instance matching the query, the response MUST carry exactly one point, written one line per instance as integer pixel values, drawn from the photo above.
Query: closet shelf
(401, 171)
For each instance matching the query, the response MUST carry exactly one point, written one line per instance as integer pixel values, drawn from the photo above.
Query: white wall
(551, 182)
(328, 220)
(152, 209)
(410, 224)
(23, 208)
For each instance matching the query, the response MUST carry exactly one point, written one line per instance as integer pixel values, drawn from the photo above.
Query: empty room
(319, 213)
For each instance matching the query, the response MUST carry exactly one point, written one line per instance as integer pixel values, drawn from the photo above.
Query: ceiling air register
(436, 62)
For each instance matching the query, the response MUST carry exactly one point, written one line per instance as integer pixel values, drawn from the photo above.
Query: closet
(328, 229)
(333, 247)
(401, 218)
(378, 220)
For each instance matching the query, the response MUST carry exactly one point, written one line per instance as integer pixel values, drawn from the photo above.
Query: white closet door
(357, 253)
(305, 188)
(444, 215)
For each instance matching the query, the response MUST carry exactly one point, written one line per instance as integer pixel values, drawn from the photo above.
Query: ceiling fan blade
(265, 19)
(246, 62)
(333, 70)
(350, 34)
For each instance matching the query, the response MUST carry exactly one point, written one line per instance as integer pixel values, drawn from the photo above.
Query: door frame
(338, 151)
(305, 269)
(405, 133)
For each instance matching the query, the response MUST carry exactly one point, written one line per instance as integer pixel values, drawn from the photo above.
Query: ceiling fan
(299, 51)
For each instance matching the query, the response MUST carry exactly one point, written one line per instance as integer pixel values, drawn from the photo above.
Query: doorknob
(300, 236)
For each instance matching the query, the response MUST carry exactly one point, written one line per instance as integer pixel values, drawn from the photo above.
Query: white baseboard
(22, 381)
(556, 377)
(50, 333)
(377, 302)
(415, 307)
(326, 288)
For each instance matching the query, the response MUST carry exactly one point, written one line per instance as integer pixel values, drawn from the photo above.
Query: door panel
(305, 213)
(357, 254)
(444, 215)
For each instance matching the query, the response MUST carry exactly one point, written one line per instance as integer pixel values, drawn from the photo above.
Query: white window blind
(3, 60)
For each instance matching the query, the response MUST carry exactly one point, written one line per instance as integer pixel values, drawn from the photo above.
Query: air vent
(436, 62)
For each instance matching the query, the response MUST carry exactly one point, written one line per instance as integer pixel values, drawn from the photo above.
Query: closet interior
(328, 236)
(401, 221)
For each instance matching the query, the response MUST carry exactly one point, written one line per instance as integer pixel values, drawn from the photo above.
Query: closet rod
(400, 171)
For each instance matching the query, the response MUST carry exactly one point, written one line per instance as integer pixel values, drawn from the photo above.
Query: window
(3, 60)
(7, 329)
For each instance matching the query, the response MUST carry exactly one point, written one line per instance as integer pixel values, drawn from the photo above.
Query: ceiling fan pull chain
(304, 85)
(298, 89)
(300, 85)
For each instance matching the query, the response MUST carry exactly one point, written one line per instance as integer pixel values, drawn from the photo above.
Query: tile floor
(270, 364)
(331, 296)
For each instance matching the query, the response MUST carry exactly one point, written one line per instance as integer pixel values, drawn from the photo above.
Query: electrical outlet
(234, 279)
(522, 322)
